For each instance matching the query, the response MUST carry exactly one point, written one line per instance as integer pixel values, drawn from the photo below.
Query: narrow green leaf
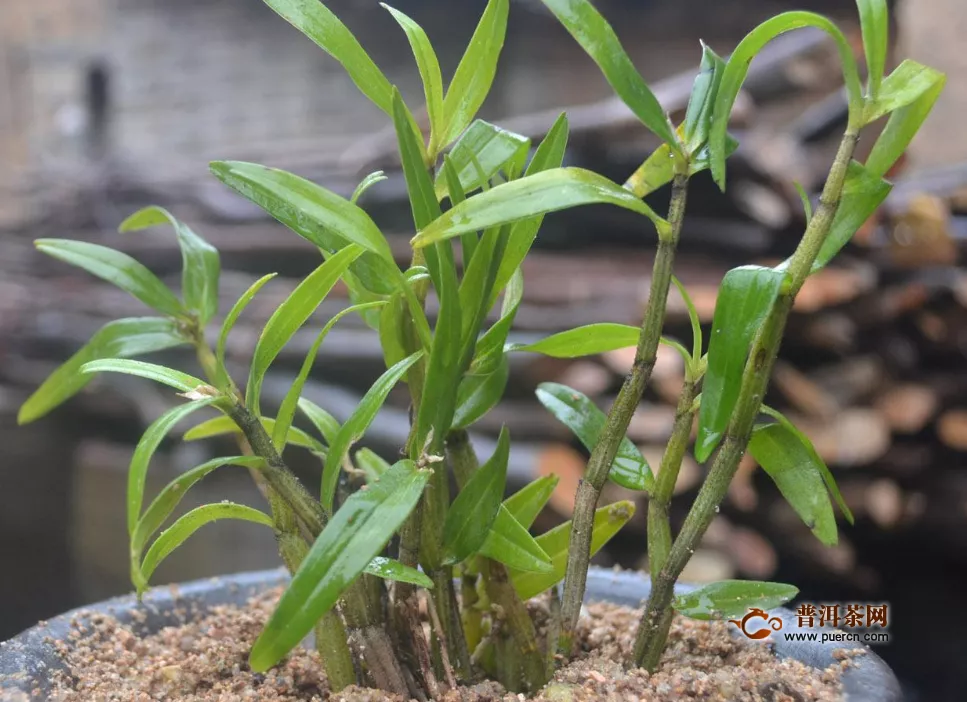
(584, 341)
(698, 116)
(478, 281)
(355, 535)
(875, 24)
(317, 22)
(116, 268)
(538, 194)
(160, 374)
(473, 511)
(468, 240)
(175, 535)
(200, 263)
(511, 544)
(738, 67)
(324, 422)
(283, 420)
(419, 185)
(371, 464)
(525, 504)
(492, 147)
(148, 444)
(732, 598)
(694, 320)
(907, 84)
(170, 497)
(429, 66)
(599, 40)
(229, 322)
(579, 414)
(904, 123)
(607, 522)
(353, 429)
(478, 394)
(366, 183)
(659, 168)
(289, 317)
(389, 569)
(745, 298)
(475, 73)
(121, 338)
(792, 468)
(807, 203)
(490, 347)
(392, 334)
(219, 426)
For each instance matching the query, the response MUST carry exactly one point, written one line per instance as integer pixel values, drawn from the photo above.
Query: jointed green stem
(586, 499)
(653, 630)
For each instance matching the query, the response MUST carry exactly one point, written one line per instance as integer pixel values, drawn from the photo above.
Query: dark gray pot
(26, 661)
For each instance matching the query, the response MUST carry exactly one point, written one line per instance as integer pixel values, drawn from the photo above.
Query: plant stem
(517, 621)
(364, 617)
(653, 630)
(586, 498)
(659, 527)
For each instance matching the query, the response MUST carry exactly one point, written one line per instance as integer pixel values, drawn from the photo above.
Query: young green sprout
(472, 183)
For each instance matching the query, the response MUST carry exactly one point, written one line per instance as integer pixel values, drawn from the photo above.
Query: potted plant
(406, 589)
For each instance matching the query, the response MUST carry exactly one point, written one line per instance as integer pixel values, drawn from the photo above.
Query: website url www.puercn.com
(867, 637)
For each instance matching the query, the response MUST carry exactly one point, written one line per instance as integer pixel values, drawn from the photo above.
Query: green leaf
(355, 535)
(353, 429)
(366, 183)
(118, 339)
(287, 409)
(907, 84)
(525, 504)
(170, 497)
(598, 39)
(219, 426)
(475, 72)
(694, 320)
(160, 374)
(478, 394)
(490, 347)
(807, 204)
(389, 569)
(875, 24)
(309, 210)
(579, 414)
(289, 317)
(371, 464)
(392, 334)
(419, 185)
(200, 264)
(317, 22)
(175, 535)
(907, 119)
(744, 301)
(698, 116)
(116, 268)
(584, 341)
(738, 67)
(324, 422)
(510, 543)
(229, 322)
(792, 468)
(659, 168)
(607, 522)
(491, 147)
(474, 509)
(538, 194)
(429, 66)
(148, 444)
(732, 598)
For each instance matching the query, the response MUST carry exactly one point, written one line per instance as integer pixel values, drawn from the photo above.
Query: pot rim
(27, 660)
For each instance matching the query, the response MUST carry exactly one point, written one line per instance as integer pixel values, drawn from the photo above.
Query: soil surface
(205, 661)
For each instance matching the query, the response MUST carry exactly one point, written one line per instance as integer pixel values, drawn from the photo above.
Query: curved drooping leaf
(792, 468)
(745, 299)
(160, 374)
(525, 504)
(538, 194)
(389, 569)
(200, 263)
(598, 39)
(875, 25)
(510, 543)
(479, 154)
(732, 598)
(175, 535)
(475, 507)
(584, 341)
(475, 73)
(229, 322)
(607, 522)
(358, 422)
(478, 394)
(324, 422)
(350, 541)
(289, 317)
(118, 339)
(317, 22)
(219, 426)
(366, 183)
(116, 268)
(579, 414)
(738, 67)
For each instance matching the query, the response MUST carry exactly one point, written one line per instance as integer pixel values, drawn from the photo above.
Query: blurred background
(109, 105)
